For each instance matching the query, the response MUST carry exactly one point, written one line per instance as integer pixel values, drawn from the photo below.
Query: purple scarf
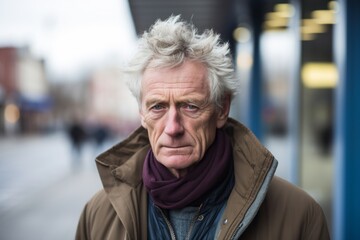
(169, 192)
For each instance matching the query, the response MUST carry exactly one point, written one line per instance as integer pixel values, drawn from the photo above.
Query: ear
(223, 114)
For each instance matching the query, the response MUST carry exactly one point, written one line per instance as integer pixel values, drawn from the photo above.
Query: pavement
(41, 193)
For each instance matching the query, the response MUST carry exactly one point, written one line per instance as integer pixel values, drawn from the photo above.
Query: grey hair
(170, 42)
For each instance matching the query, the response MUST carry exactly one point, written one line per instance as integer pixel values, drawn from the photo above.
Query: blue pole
(256, 93)
(347, 160)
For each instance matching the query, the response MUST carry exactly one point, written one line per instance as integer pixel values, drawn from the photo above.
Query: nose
(173, 123)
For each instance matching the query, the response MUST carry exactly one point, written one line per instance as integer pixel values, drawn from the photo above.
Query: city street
(41, 192)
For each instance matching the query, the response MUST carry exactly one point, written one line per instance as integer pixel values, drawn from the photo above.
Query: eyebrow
(152, 101)
(194, 99)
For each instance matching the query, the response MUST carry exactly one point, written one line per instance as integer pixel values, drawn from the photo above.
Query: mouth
(179, 148)
(176, 150)
(176, 147)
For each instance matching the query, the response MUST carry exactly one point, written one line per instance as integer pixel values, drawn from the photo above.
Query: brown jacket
(260, 206)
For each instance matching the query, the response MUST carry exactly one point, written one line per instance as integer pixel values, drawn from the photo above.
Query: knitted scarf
(169, 192)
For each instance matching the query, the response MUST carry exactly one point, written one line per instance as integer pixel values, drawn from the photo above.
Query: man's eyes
(190, 107)
(157, 107)
(184, 106)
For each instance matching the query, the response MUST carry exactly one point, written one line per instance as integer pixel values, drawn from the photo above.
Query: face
(176, 111)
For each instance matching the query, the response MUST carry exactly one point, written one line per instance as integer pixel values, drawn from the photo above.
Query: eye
(190, 107)
(157, 107)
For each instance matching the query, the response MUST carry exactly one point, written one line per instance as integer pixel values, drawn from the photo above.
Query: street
(42, 192)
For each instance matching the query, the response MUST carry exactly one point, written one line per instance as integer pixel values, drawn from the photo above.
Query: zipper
(193, 223)
(168, 223)
(237, 230)
(171, 229)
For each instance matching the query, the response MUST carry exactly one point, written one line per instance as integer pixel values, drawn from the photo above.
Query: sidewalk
(41, 196)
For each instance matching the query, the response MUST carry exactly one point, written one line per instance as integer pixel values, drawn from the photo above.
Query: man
(190, 172)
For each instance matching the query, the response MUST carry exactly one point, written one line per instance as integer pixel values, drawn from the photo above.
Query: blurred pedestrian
(77, 136)
(191, 172)
(100, 134)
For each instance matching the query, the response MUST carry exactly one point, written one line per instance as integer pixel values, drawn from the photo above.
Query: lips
(176, 147)
(176, 150)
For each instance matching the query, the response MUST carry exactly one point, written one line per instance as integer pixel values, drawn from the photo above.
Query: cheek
(205, 135)
(147, 122)
(208, 136)
(207, 132)
(153, 133)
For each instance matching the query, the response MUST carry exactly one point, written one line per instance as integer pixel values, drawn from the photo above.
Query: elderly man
(190, 172)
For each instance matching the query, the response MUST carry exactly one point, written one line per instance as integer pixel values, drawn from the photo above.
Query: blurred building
(25, 103)
(111, 102)
(100, 99)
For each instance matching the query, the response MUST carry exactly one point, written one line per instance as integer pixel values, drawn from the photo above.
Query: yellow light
(307, 37)
(279, 18)
(333, 5)
(311, 29)
(276, 15)
(276, 23)
(286, 9)
(319, 75)
(308, 22)
(11, 113)
(272, 15)
(324, 16)
(242, 34)
(244, 61)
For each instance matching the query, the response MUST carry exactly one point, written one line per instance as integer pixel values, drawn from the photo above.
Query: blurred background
(63, 99)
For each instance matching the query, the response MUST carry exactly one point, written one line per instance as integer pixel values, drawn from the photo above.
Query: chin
(177, 162)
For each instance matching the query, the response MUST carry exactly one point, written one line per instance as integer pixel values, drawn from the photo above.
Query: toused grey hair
(170, 42)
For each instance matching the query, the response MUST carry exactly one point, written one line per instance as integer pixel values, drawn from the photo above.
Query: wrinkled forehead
(189, 73)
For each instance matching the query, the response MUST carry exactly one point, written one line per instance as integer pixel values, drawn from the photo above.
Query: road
(41, 194)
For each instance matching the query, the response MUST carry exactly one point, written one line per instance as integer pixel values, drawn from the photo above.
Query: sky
(71, 35)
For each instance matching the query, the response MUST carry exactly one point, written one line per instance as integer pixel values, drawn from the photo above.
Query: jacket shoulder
(293, 202)
(99, 220)
(290, 213)
(282, 190)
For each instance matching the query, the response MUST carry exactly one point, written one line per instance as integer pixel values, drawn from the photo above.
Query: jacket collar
(120, 170)
(254, 168)
(124, 160)
(251, 158)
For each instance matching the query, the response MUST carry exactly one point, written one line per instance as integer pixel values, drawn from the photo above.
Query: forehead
(189, 75)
